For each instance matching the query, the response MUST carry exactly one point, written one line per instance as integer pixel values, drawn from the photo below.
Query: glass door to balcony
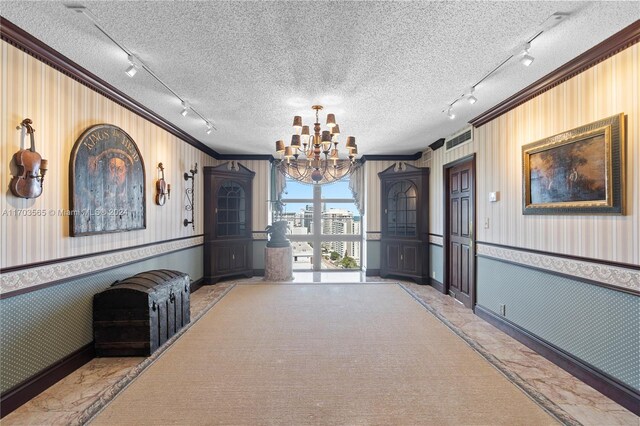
(325, 227)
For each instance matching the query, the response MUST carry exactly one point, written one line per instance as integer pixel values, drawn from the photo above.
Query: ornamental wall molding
(373, 235)
(437, 240)
(613, 276)
(25, 278)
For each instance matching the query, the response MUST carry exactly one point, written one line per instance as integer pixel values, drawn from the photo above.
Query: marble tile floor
(66, 402)
(580, 401)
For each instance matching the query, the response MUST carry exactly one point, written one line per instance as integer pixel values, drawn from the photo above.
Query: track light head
(133, 68)
(131, 71)
(469, 95)
(450, 114)
(135, 63)
(526, 59)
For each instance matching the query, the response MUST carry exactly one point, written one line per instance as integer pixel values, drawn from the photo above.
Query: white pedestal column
(278, 264)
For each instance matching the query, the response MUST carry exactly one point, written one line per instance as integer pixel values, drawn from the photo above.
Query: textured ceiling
(386, 69)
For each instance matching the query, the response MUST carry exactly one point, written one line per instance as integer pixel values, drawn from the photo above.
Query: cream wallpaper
(61, 109)
(606, 89)
(372, 191)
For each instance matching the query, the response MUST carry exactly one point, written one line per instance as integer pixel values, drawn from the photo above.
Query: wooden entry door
(460, 214)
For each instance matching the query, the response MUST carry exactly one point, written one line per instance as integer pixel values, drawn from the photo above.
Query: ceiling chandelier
(315, 158)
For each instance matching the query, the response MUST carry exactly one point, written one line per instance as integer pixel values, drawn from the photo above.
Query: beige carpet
(321, 354)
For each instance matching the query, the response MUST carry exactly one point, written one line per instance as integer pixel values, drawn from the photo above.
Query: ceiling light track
(522, 51)
(136, 63)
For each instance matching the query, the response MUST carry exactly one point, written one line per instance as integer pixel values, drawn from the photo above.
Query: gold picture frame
(581, 171)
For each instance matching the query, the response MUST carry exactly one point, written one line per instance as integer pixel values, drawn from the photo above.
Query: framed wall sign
(580, 171)
(107, 183)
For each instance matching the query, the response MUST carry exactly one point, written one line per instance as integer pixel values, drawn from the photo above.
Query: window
(325, 227)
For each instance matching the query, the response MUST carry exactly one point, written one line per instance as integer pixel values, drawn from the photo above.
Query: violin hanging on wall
(27, 183)
(163, 190)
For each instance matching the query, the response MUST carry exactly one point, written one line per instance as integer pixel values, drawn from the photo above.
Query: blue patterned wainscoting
(373, 254)
(436, 263)
(258, 247)
(595, 324)
(41, 327)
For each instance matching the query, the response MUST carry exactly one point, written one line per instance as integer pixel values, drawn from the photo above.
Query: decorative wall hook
(27, 183)
(189, 193)
(163, 189)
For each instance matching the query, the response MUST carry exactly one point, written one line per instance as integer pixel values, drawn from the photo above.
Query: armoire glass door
(231, 212)
(401, 209)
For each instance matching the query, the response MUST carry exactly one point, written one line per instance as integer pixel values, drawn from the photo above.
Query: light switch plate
(494, 196)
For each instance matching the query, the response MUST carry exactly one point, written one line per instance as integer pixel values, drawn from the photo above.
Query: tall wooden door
(460, 214)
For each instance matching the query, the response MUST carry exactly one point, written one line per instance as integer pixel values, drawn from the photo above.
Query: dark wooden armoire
(227, 222)
(404, 217)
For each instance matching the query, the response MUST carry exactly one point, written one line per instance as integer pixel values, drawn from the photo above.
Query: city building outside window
(336, 242)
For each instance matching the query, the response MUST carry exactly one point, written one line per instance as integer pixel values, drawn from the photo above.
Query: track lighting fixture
(472, 99)
(450, 114)
(209, 128)
(523, 55)
(526, 59)
(132, 70)
(133, 67)
(135, 64)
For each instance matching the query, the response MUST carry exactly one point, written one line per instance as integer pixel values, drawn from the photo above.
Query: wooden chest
(134, 317)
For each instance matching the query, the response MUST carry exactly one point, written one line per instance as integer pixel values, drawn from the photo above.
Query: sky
(339, 189)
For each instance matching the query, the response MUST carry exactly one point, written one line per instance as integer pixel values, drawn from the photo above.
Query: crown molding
(29, 44)
(245, 157)
(391, 157)
(604, 50)
(26, 42)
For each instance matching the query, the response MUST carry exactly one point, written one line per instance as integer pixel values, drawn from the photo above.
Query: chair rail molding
(23, 280)
(617, 277)
(436, 240)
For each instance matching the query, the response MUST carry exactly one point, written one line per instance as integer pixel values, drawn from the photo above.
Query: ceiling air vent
(463, 137)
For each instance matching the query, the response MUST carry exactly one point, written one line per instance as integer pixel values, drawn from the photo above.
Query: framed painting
(107, 183)
(581, 171)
